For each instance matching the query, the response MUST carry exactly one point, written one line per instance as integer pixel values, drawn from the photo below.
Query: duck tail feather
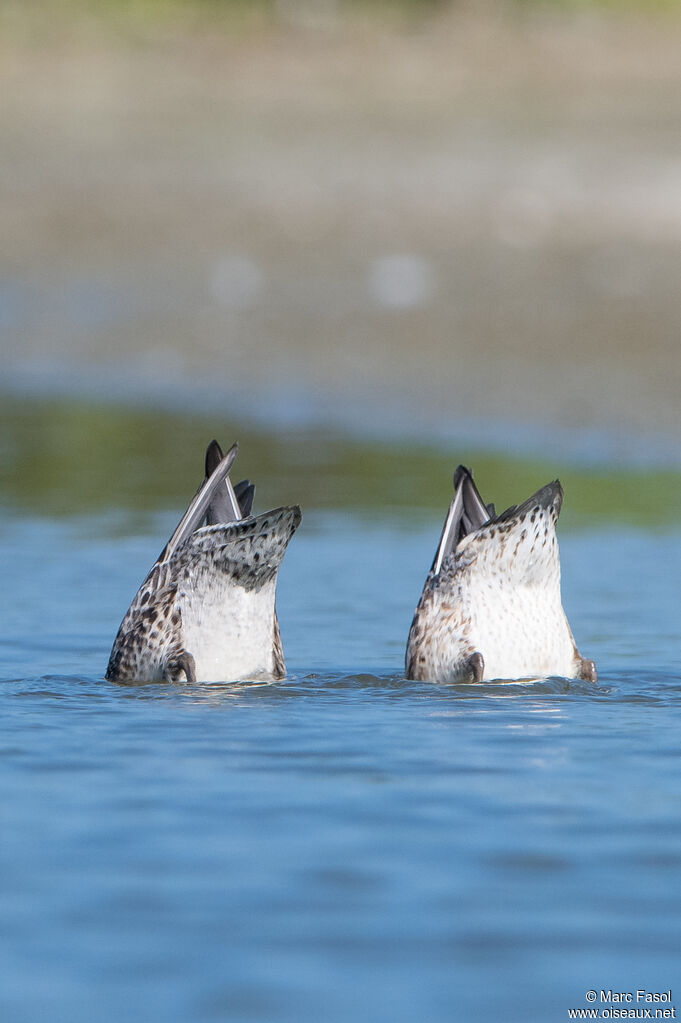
(210, 491)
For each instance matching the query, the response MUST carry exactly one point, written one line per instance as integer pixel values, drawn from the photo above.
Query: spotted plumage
(206, 610)
(491, 606)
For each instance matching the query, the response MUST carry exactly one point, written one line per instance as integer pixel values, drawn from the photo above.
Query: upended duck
(206, 610)
(491, 606)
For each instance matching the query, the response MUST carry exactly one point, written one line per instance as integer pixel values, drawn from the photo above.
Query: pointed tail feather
(224, 505)
(198, 509)
(450, 531)
(467, 512)
(475, 511)
(244, 492)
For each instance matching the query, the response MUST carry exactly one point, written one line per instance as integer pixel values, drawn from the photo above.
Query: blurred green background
(370, 240)
(68, 457)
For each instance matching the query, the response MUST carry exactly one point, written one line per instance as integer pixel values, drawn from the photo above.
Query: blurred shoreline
(113, 463)
(463, 225)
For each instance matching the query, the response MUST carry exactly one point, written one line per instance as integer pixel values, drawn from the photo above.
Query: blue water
(345, 845)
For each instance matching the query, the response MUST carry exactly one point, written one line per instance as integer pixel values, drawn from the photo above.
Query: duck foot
(184, 662)
(587, 670)
(475, 667)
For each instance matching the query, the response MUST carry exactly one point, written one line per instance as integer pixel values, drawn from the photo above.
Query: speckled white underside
(229, 629)
(516, 610)
(522, 634)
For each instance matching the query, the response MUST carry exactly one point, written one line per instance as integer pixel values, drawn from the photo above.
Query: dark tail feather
(202, 501)
(244, 493)
(467, 513)
(213, 457)
(475, 511)
(224, 506)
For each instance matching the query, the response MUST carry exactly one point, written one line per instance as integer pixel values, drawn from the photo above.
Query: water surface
(344, 844)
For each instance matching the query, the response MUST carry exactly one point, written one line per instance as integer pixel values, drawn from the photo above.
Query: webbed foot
(184, 662)
(587, 670)
(475, 667)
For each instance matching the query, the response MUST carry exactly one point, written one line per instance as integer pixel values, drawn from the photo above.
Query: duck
(491, 606)
(206, 610)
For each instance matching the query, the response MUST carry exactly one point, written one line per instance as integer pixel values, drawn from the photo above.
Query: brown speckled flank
(214, 582)
(491, 604)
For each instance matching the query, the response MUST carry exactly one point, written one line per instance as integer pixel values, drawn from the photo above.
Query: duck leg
(475, 667)
(587, 670)
(184, 662)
